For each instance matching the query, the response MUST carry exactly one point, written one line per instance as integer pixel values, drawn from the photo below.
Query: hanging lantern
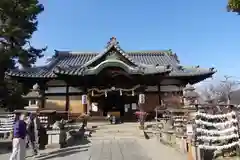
(133, 93)
(105, 93)
(120, 92)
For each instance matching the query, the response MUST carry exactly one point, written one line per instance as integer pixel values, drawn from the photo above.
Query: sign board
(84, 99)
(141, 98)
(189, 129)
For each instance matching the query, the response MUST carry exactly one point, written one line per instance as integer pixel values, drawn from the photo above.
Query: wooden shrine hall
(110, 80)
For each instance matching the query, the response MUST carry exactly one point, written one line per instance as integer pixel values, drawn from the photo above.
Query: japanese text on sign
(84, 99)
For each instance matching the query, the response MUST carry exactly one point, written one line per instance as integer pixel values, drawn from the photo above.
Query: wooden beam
(63, 94)
(42, 92)
(159, 95)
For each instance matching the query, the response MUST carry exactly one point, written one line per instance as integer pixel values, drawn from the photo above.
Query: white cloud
(42, 61)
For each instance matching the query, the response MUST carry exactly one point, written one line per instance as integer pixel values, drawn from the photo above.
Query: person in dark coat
(31, 134)
(63, 134)
(43, 137)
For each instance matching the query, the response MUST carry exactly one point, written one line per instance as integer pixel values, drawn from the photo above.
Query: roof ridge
(137, 51)
(65, 53)
(82, 52)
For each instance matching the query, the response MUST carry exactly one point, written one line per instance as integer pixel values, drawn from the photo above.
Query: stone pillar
(141, 101)
(84, 103)
(190, 96)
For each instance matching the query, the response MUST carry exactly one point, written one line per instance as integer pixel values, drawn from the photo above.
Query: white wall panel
(151, 89)
(56, 90)
(74, 89)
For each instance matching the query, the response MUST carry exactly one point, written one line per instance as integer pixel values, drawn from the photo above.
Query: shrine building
(112, 79)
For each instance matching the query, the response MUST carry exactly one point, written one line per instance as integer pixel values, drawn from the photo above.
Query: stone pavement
(157, 150)
(118, 149)
(122, 142)
(29, 154)
(117, 142)
(122, 149)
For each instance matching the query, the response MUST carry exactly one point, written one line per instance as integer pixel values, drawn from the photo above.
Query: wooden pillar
(42, 93)
(67, 98)
(159, 95)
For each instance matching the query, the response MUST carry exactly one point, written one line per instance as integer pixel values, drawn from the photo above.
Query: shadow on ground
(61, 154)
(78, 138)
(5, 146)
(146, 136)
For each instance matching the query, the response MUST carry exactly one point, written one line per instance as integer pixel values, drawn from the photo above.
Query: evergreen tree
(18, 21)
(234, 6)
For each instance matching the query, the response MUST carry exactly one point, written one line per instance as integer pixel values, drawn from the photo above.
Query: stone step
(105, 135)
(115, 137)
(117, 134)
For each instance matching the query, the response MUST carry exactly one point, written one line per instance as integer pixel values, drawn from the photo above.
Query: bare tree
(227, 87)
(210, 93)
(220, 92)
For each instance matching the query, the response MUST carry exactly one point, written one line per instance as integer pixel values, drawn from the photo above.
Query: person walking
(19, 142)
(32, 133)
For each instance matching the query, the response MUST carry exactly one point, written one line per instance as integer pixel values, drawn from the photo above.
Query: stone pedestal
(53, 137)
(181, 144)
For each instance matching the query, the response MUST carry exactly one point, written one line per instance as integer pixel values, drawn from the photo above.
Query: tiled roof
(75, 60)
(68, 59)
(114, 50)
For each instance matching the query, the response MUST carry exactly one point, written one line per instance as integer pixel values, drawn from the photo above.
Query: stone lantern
(34, 98)
(190, 95)
(190, 99)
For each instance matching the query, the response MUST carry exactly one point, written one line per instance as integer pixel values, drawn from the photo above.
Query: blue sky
(201, 32)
